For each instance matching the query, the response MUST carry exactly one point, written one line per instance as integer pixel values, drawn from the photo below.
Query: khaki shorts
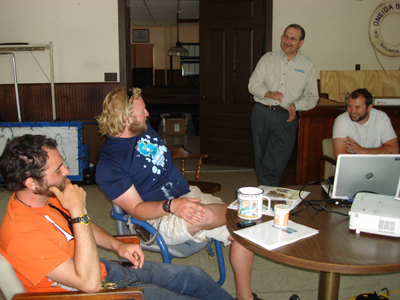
(174, 229)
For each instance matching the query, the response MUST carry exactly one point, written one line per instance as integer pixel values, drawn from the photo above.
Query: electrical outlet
(110, 77)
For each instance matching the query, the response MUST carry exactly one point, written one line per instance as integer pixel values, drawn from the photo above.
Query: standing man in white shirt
(363, 129)
(283, 82)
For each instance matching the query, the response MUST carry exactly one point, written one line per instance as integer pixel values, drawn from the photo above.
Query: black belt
(275, 107)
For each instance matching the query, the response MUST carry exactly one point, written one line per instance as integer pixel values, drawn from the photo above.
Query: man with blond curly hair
(135, 170)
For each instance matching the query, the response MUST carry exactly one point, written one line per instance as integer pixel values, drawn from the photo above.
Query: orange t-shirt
(34, 246)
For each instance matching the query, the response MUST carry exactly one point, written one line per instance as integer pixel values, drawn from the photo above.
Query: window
(190, 65)
(190, 68)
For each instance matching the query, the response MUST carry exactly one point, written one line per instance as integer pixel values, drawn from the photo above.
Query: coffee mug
(250, 203)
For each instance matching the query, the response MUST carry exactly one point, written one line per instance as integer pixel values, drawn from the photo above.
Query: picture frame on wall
(140, 36)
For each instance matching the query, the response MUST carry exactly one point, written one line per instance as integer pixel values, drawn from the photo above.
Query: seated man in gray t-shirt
(363, 129)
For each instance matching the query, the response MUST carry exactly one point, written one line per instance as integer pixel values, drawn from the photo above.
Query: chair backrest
(328, 159)
(179, 152)
(9, 281)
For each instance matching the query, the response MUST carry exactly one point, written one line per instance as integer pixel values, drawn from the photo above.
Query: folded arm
(83, 270)
(348, 145)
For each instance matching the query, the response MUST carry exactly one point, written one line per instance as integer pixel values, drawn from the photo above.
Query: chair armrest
(129, 239)
(135, 293)
(329, 159)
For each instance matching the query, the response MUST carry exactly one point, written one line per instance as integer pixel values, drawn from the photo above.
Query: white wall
(84, 35)
(337, 32)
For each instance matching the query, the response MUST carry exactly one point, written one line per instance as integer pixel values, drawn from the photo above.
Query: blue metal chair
(168, 252)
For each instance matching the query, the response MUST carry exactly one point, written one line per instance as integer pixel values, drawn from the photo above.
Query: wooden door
(234, 34)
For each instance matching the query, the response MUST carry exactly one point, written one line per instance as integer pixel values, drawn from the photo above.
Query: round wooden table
(333, 251)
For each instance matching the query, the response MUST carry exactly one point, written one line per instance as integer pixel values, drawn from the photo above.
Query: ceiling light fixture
(178, 49)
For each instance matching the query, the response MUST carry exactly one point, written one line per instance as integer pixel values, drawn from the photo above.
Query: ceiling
(163, 12)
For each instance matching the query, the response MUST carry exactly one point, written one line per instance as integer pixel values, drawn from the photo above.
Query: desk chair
(12, 289)
(179, 152)
(168, 252)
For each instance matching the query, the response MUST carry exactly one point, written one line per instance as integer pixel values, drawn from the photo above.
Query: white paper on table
(271, 237)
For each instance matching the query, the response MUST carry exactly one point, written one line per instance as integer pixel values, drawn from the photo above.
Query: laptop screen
(376, 173)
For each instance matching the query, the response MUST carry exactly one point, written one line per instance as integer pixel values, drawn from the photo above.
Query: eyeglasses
(65, 216)
(292, 39)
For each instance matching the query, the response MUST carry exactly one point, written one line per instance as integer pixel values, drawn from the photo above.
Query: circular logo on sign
(375, 25)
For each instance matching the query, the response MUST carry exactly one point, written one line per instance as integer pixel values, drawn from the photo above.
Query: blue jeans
(166, 281)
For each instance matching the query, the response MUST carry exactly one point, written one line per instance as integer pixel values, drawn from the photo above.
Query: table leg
(328, 288)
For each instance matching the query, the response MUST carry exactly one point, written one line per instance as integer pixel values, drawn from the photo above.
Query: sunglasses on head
(130, 94)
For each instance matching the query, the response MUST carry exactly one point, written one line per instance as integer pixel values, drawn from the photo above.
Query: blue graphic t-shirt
(143, 161)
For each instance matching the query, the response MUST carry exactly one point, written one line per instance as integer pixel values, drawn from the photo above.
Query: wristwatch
(167, 206)
(83, 219)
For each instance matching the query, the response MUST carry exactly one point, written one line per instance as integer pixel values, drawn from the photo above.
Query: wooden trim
(123, 294)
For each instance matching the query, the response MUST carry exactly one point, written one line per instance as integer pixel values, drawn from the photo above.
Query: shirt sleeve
(387, 132)
(340, 128)
(35, 255)
(112, 177)
(257, 86)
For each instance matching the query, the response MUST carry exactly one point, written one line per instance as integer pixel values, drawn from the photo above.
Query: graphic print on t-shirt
(154, 153)
(158, 178)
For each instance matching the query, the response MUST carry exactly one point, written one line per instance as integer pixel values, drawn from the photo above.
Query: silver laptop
(376, 173)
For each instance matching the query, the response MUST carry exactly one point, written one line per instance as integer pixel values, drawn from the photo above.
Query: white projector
(377, 214)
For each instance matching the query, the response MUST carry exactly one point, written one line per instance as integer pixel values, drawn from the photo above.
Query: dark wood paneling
(179, 81)
(73, 101)
(142, 77)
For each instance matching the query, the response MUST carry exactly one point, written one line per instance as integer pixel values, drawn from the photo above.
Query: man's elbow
(92, 287)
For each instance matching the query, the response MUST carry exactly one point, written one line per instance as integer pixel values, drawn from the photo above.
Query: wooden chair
(12, 288)
(179, 152)
(134, 293)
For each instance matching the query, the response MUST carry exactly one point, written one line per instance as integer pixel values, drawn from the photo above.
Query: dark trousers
(273, 142)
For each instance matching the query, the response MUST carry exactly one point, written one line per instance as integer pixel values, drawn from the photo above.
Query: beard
(360, 117)
(44, 186)
(137, 128)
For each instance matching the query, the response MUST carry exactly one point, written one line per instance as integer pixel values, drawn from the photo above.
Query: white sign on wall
(67, 134)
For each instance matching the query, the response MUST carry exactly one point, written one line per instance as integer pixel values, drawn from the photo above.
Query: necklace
(67, 218)
(16, 197)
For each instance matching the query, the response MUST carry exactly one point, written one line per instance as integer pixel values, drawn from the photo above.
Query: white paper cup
(281, 218)
(250, 203)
